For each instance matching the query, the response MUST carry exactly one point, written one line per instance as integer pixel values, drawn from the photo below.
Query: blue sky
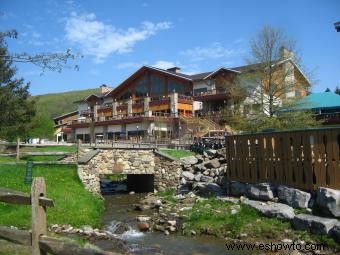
(117, 37)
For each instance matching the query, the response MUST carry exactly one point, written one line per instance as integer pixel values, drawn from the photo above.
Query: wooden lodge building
(164, 103)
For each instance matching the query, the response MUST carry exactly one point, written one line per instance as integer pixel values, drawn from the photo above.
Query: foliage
(56, 104)
(337, 90)
(73, 204)
(168, 195)
(41, 126)
(328, 90)
(16, 109)
(177, 153)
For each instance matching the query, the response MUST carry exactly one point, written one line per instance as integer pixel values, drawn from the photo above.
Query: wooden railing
(305, 159)
(37, 239)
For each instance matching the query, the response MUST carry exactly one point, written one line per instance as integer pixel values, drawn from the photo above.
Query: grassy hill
(59, 103)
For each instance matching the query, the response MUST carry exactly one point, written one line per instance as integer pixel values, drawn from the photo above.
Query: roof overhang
(218, 70)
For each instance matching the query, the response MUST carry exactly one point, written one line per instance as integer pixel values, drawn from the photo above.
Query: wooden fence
(304, 159)
(37, 239)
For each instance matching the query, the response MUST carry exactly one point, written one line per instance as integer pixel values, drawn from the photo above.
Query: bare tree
(45, 61)
(274, 75)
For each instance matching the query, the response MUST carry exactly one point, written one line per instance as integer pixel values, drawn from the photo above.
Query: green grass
(213, 217)
(8, 159)
(57, 104)
(168, 195)
(49, 149)
(177, 153)
(73, 204)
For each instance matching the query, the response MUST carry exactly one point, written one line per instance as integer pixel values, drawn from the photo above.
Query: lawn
(73, 204)
(8, 159)
(63, 148)
(177, 153)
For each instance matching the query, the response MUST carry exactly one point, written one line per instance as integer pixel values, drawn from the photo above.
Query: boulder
(261, 191)
(142, 218)
(293, 197)
(328, 201)
(271, 209)
(198, 177)
(207, 189)
(121, 228)
(314, 224)
(238, 188)
(205, 178)
(143, 226)
(335, 232)
(188, 176)
(211, 152)
(190, 160)
(214, 163)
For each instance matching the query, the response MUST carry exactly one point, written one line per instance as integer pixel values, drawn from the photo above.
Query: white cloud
(100, 40)
(216, 50)
(164, 64)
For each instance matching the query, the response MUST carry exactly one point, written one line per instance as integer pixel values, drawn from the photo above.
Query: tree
(337, 90)
(272, 62)
(327, 90)
(41, 126)
(16, 109)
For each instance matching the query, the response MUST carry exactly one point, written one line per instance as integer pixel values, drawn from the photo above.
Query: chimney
(174, 69)
(104, 89)
(285, 53)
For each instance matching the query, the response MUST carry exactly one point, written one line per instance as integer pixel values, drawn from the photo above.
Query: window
(157, 85)
(142, 87)
(199, 91)
(176, 86)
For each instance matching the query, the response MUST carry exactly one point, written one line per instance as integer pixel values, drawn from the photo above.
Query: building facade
(161, 103)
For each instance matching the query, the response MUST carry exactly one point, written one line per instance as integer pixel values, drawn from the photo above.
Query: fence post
(38, 214)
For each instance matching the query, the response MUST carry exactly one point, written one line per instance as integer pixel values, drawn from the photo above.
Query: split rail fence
(37, 239)
(304, 159)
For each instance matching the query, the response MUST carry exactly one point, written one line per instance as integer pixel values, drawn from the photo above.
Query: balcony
(329, 118)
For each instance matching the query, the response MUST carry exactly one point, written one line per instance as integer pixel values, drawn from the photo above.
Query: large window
(157, 85)
(176, 86)
(142, 87)
(126, 95)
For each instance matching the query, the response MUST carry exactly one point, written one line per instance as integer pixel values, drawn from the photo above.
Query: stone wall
(126, 161)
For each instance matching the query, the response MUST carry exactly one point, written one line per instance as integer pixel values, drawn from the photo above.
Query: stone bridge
(140, 165)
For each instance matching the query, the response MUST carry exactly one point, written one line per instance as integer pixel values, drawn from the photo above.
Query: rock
(293, 197)
(190, 160)
(143, 218)
(205, 178)
(261, 191)
(120, 228)
(199, 158)
(140, 207)
(166, 232)
(172, 229)
(88, 230)
(172, 222)
(143, 226)
(208, 189)
(188, 176)
(314, 224)
(131, 193)
(214, 163)
(328, 201)
(277, 210)
(286, 240)
(211, 152)
(238, 188)
(159, 228)
(198, 177)
(193, 232)
(335, 232)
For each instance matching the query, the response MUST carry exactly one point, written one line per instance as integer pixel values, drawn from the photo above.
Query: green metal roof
(319, 100)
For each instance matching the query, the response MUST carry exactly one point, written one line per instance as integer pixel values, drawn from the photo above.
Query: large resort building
(158, 103)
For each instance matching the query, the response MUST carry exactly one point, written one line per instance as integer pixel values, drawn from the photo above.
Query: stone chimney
(174, 69)
(104, 89)
(285, 53)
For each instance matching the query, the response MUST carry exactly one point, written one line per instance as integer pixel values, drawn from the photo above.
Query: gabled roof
(319, 101)
(66, 115)
(218, 70)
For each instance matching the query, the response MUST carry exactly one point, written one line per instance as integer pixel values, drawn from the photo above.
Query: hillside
(59, 103)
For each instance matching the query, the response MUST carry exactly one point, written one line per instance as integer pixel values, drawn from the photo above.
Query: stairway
(198, 126)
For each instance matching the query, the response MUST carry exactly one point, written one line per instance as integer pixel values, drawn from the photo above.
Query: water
(119, 210)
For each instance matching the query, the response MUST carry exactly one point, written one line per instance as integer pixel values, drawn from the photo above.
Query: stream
(119, 209)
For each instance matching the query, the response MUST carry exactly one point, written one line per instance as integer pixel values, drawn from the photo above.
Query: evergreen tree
(337, 90)
(17, 109)
(327, 90)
